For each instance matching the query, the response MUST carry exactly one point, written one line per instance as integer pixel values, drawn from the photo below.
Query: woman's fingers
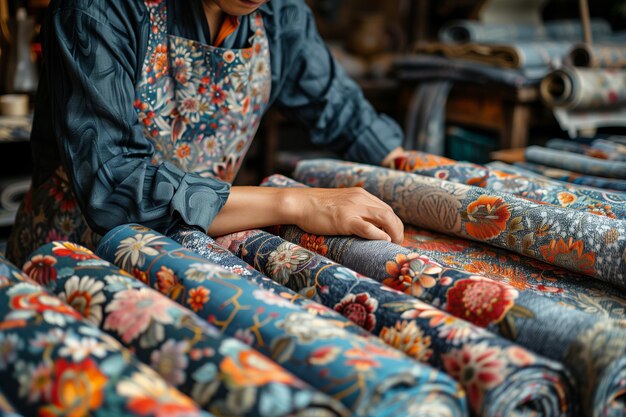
(367, 230)
(387, 220)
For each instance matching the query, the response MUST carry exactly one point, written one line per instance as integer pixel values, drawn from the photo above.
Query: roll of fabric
(579, 148)
(366, 378)
(416, 67)
(537, 322)
(198, 242)
(525, 168)
(221, 374)
(506, 178)
(610, 55)
(551, 318)
(574, 162)
(612, 147)
(55, 363)
(581, 242)
(461, 31)
(12, 192)
(584, 89)
(538, 385)
(601, 149)
(518, 54)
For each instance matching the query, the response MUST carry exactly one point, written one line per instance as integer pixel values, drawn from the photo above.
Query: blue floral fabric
(582, 164)
(368, 378)
(503, 178)
(572, 314)
(221, 374)
(601, 149)
(573, 177)
(54, 363)
(488, 367)
(581, 242)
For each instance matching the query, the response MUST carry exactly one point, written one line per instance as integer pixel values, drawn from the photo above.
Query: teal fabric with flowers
(54, 363)
(367, 377)
(506, 380)
(222, 375)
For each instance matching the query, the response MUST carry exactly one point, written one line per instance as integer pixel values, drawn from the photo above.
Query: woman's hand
(345, 211)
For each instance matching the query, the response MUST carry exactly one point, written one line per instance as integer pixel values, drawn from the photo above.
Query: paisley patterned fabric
(581, 242)
(568, 176)
(369, 379)
(221, 374)
(55, 363)
(429, 335)
(574, 162)
(503, 178)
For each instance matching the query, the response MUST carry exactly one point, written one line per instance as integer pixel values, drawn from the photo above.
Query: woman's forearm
(349, 211)
(251, 208)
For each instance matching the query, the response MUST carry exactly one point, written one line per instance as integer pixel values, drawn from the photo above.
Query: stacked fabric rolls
(601, 163)
(506, 297)
(574, 310)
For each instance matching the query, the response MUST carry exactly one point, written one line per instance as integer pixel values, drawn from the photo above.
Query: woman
(146, 109)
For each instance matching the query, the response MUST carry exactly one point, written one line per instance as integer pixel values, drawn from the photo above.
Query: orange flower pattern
(570, 254)
(487, 217)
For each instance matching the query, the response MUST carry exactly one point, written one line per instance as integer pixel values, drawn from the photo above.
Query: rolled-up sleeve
(91, 56)
(314, 89)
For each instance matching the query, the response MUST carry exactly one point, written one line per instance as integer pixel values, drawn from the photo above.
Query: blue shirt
(85, 120)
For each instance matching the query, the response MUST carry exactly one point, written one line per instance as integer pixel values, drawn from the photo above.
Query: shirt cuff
(198, 200)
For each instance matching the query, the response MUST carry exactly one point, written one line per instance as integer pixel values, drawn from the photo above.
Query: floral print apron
(199, 105)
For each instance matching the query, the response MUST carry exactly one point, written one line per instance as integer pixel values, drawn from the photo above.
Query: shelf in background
(15, 129)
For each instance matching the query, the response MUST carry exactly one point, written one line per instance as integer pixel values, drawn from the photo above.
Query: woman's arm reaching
(346, 211)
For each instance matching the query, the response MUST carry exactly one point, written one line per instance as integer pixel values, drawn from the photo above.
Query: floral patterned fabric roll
(221, 374)
(540, 323)
(503, 178)
(582, 164)
(368, 379)
(592, 150)
(573, 177)
(554, 319)
(508, 383)
(581, 242)
(198, 242)
(55, 363)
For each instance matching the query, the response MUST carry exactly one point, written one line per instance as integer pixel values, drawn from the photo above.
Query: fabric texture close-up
(369, 378)
(528, 168)
(570, 313)
(55, 363)
(506, 178)
(509, 386)
(221, 374)
(581, 242)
